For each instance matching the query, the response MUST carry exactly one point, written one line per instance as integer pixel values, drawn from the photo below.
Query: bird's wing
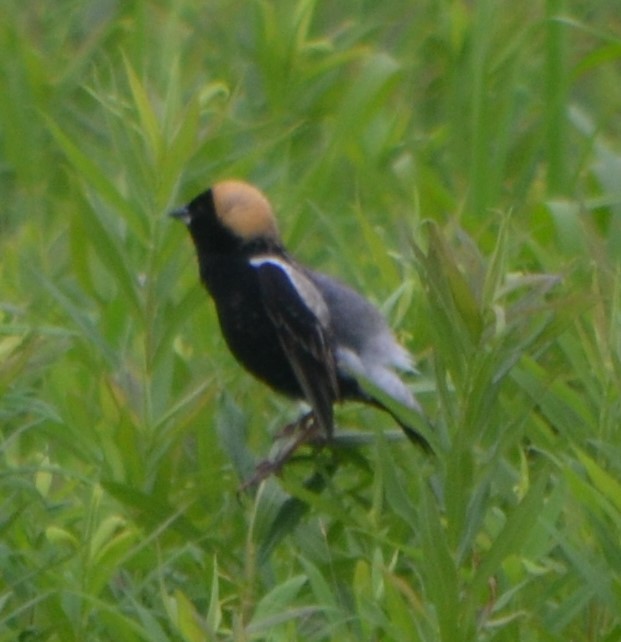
(302, 321)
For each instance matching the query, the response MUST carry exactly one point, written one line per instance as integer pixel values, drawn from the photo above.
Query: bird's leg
(301, 423)
(308, 431)
(304, 430)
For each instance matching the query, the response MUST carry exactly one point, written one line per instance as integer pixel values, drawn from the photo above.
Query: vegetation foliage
(460, 163)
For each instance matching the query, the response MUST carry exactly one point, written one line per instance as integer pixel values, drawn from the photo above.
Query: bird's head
(228, 217)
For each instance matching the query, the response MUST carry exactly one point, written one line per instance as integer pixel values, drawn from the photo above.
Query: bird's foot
(305, 430)
(262, 470)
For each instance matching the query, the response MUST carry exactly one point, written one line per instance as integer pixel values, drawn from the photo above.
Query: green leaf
(154, 511)
(510, 541)
(440, 572)
(603, 481)
(89, 171)
(148, 120)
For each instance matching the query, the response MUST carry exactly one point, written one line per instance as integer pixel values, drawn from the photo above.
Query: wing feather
(301, 319)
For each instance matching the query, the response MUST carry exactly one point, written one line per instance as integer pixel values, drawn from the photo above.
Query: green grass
(460, 163)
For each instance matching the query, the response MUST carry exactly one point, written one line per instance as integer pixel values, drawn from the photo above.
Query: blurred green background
(459, 162)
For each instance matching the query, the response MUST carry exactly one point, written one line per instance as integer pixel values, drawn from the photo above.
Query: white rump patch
(380, 374)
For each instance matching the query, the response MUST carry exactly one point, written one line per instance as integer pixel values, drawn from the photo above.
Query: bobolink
(301, 332)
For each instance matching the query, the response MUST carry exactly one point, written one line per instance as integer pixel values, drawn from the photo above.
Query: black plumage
(301, 332)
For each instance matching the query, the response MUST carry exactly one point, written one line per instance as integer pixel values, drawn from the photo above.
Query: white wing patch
(305, 288)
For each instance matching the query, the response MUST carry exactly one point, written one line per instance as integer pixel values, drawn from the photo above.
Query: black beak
(181, 214)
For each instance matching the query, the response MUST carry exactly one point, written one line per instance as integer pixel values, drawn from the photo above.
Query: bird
(305, 334)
